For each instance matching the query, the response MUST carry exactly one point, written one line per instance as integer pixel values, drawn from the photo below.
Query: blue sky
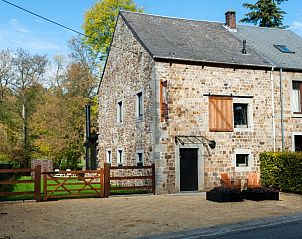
(20, 29)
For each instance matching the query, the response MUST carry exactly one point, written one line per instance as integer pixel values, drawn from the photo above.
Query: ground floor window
(297, 142)
(242, 159)
(120, 157)
(109, 156)
(140, 157)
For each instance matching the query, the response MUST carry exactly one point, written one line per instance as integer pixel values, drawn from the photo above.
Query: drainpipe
(282, 118)
(273, 110)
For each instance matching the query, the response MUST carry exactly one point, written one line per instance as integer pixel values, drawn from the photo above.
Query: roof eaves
(200, 62)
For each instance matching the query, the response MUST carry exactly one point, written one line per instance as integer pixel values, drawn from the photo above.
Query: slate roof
(190, 40)
(264, 39)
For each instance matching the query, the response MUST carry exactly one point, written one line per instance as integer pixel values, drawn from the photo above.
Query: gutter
(273, 110)
(202, 62)
(282, 116)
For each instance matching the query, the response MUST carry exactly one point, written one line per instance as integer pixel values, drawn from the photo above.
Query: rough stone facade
(130, 70)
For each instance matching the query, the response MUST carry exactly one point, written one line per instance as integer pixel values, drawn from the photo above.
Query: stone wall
(189, 115)
(127, 73)
(130, 70)
(292, 122)
(46, 165)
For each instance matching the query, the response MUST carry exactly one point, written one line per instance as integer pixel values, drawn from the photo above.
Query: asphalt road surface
(282, 231)
(285, 227)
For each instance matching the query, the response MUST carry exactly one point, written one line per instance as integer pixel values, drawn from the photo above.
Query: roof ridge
(170, 17)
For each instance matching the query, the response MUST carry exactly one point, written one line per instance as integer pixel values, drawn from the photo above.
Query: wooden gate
(66, 184)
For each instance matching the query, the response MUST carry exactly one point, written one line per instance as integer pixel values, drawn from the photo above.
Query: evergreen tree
(266, 13)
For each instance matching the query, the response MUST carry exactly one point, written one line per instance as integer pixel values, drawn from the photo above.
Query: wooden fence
(108, 178)
(70, 184)
(36, 181)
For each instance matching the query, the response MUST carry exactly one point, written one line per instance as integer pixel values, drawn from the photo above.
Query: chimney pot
(230, 19)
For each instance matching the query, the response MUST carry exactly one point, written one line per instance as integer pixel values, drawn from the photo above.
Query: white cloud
(14, 35)
(17, 26)
(296, 26)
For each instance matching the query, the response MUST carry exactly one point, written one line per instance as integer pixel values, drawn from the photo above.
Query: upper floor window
(296, 97)
(139, 105)
(120, 112)
(227, 114)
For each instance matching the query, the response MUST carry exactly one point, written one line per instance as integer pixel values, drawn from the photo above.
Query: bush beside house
(283, 170)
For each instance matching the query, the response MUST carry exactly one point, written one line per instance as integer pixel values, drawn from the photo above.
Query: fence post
(106, 180)
(102, 192)
(153, 178)
(38, 183)
(45, 186)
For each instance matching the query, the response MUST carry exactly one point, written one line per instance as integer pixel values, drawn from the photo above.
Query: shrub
(283, 170)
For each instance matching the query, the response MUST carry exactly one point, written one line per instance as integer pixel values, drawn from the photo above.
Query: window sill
(243, 169)
(139, 119)
(296, 115)
(242, 129)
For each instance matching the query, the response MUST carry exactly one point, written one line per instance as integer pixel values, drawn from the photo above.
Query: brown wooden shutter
(221, 114)
(163, 101)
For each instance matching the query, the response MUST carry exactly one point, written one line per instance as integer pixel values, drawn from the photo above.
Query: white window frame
(250, 118)
(293, 140)
(250, 160)
(137, 105)
(109, 156)
(140, 151)
(120, 112)
(294, 115)
(118, 159)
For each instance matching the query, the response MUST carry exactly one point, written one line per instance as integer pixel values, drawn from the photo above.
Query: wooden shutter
(221, 114)
(163, 101)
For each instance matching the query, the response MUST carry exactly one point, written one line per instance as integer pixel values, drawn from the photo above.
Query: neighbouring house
(198, 98)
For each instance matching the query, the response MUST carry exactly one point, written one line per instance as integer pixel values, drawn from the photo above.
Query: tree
(28, 71)
(266, 13)
(5, 75)
(99, 23)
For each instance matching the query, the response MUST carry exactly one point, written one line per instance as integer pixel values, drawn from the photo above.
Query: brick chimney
(230, 19)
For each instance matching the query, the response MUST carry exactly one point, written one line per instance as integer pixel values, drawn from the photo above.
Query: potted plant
(223, 194)
(260, 193)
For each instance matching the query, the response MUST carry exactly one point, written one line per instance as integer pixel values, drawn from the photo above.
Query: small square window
(120, 157)
(240, 115)
(242, 160)
(120, 112)
(139, 105)
(284, 49)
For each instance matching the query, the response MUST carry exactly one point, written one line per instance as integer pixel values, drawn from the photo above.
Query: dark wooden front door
(188, 169)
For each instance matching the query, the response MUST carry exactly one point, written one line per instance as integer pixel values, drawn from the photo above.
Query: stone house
(198, 98)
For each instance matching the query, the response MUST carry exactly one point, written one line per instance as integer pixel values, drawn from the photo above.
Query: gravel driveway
(131, 216)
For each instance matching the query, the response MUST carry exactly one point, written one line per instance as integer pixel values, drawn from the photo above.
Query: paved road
(286, 227)
(284, 231)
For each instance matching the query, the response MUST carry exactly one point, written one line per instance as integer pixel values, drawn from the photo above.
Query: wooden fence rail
(36, 181)
(108, 178)
(77, 183)
(81, 181)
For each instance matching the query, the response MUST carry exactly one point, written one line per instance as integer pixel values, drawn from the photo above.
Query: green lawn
(87, 190)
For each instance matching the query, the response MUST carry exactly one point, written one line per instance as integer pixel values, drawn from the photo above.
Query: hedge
(283, 170)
